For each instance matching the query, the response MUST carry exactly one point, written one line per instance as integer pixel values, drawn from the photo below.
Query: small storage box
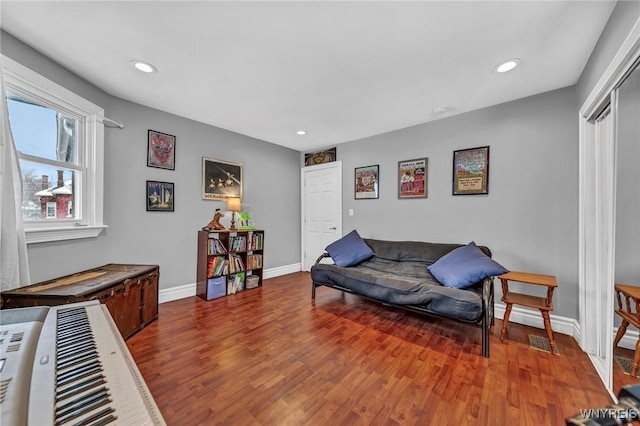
(252, 281)
(216, 287)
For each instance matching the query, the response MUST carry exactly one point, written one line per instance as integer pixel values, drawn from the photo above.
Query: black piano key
(77, 360)
(70, 318)
(81, 401)
(68, 326)
(73, 339)
(86, 409)
(76, 329)
(103, 417)
(74, 375)
(62, 354)
(65, 328)
(74, 334)
(80, 363)
(73, 342)
(75, 322)
(83, 386)
(65, 319)
(71, 312)
(64, 324)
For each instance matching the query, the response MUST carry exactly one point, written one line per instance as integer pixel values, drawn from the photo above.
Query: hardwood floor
(271, 356)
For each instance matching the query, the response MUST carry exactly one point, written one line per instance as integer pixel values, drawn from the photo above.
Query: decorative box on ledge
(130, 293)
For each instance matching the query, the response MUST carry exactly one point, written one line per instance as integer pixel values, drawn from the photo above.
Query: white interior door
(321, 209)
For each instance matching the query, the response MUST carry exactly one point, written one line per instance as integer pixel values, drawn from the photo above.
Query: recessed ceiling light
(144, 66)
(301, 132)
(507, 66)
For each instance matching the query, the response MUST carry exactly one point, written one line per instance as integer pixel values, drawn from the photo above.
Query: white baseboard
(188, 290)
(175, 293)
(533, 318)
(281, 270)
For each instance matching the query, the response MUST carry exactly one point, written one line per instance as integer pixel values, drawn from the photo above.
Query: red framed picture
(412, 178)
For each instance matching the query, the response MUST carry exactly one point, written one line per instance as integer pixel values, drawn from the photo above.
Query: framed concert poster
(366, 182)
(221, 179)
(471, 171)
(161, 150)
(412, 178)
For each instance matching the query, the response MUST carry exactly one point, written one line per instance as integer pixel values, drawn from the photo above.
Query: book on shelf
(235, 264)
(216, 246)
(216, 266)
(238, 243)
(254, 261)
(256, 241)
(210, 266)
(235, 283)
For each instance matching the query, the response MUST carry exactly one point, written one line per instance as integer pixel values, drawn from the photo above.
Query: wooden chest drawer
(130, 292)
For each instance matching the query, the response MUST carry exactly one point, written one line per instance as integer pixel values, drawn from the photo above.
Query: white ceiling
(340, 70)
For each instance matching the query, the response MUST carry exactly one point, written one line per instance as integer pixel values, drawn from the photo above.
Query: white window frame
(51, 205)
(25, 82)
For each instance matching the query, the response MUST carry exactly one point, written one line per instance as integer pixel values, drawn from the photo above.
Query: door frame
(596, 221)
(303, 226)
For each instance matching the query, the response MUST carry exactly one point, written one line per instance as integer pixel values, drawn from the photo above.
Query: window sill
(44, 235)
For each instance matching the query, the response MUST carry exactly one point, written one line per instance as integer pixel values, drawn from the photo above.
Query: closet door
(627, 214)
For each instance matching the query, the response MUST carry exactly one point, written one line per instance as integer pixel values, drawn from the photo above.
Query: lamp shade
(234, 204)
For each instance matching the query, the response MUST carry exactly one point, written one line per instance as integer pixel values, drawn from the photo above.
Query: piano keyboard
(83, 373)
(80, 382)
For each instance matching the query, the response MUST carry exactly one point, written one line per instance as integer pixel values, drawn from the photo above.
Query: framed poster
(221, 179)
(366, 182)
(321, 157)
(160, 196)
(471, 171)
(412, 178)
(161, 150)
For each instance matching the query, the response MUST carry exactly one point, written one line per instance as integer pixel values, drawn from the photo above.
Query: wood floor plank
(272, 356)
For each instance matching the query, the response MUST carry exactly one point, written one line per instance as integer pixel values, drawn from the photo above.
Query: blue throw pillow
(465, 266)
(349, 250)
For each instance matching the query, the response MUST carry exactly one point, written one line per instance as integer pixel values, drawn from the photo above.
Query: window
(50, 212)
(59, 138)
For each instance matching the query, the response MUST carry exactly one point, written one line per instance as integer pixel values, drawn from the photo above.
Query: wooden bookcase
(228, 261)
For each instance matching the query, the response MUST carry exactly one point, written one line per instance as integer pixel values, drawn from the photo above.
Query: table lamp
(233, 205)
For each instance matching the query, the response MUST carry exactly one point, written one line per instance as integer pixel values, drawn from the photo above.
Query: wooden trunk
(130, 292)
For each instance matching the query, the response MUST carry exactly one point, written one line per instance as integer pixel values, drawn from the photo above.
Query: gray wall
(529, 218)
(271, 178)
(622, 19)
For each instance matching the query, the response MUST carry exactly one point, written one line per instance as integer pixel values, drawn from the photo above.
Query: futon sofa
(401, 274)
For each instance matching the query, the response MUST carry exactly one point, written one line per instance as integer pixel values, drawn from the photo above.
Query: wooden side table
(544, 304)
(630, 314)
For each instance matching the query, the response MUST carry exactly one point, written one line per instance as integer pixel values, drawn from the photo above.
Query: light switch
(350, 212)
